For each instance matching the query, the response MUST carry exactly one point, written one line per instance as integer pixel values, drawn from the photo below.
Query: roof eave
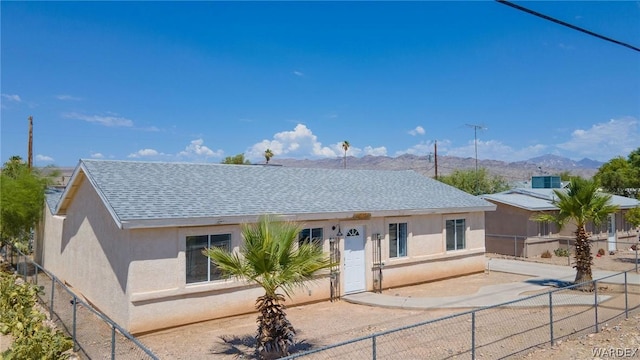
(338, 216)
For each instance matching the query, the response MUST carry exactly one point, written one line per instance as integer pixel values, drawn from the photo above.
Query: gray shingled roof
(521, 201)
(52, 197)
(542, 199)
(160, 190)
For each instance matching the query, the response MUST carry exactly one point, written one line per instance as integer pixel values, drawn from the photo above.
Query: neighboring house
(128, 236)
(510, 230)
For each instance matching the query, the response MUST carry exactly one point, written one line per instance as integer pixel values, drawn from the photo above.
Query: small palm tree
(345, 146)
(268, 154)
(582, 203)
(272, 258)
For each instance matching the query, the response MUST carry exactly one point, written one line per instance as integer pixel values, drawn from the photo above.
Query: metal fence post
(113, 342)
(473, 335)
(75, 310)
(551, 316)
(637, 257)
(595, 292)
(24, 267)
(373, 345)
(53, 289)
(626, 299)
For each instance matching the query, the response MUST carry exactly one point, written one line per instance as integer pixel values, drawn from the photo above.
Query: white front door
(611, 229)
(354, 260)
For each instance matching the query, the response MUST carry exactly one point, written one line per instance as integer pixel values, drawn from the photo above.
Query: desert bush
(560, 252)
(20, 318)
(546, 254)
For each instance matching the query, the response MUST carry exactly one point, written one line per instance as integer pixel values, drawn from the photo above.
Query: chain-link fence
(501, 331)
(516, 246)
(94, 335)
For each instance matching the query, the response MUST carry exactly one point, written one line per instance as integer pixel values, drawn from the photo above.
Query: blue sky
(198, 81)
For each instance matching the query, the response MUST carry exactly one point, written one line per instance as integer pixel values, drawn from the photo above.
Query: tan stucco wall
(50, 228)
(157, 280)
(511, 221)
(157, 283)
(427, 258)
(90, 253)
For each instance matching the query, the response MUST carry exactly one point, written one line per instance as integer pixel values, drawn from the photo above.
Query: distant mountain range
(426, 165)
(511, 171)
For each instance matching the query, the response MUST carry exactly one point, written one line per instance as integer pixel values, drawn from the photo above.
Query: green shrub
(19, 317)
(42, 343)
(561, 252)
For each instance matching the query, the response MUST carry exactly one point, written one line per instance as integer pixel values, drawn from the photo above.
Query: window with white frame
(199, 267)
(455, 234)
(397, 240)
(311, 235)
(544, 228)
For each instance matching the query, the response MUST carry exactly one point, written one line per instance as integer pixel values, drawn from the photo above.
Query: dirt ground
(327, 323)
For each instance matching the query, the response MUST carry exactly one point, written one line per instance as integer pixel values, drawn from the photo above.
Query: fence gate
(334, 280)
(377, 263)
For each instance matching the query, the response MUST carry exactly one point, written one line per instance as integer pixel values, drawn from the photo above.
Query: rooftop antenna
(475, 143)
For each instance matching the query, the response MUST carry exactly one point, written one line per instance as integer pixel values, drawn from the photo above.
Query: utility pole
(30, 151)
(475, 143)
(435, 155)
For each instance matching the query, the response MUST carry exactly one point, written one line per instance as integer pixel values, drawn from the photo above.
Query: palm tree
(345, 146)
(272, 258)
(582, 203)
(268, 154)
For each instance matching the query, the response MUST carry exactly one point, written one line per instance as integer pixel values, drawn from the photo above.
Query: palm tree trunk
(275, 335)
(583, 259)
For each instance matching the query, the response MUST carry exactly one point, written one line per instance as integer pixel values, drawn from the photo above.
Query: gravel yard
(327, 323)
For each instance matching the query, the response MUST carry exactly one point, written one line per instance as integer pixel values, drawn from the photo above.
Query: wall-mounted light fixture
(339, 233)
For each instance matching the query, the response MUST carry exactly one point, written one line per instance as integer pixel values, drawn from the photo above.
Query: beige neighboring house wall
(511, 230)
(134, 270)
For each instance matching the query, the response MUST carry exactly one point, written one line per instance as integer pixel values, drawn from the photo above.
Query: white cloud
(495, 150)
(604, 141)
(97, 155)
(108, 120)
(419, 130)
(487, 150)
(298, 73)
(378, 151)
(420, 149)
(196, 149)
(44, 158)
(144, 153)
(300, 142)
(12, 97)
(65, 97)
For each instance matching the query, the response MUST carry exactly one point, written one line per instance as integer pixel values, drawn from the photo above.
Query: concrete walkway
(544, 276)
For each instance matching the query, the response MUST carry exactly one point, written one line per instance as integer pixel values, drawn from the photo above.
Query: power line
(560, 22)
